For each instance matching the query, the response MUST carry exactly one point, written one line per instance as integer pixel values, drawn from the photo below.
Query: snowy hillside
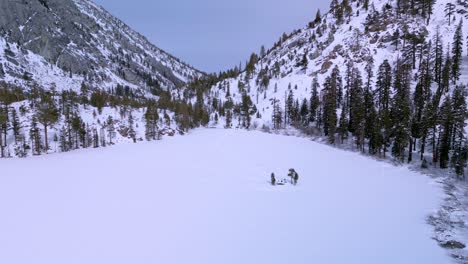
(86, 68)
(327, 43)
(66, 42)
(173, 201)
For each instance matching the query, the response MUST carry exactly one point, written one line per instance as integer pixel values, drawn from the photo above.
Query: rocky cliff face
(86, 43)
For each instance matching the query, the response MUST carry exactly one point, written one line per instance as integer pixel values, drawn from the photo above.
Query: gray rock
(453, 245)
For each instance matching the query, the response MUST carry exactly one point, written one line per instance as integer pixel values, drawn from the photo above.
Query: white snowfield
(205, 198)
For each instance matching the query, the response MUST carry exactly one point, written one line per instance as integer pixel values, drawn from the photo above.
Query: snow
(205, 198)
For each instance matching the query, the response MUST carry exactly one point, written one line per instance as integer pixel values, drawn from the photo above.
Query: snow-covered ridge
(110, 23)
(80, 41)
(328, 44)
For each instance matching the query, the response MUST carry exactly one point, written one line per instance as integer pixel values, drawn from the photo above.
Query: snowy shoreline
(450, 221)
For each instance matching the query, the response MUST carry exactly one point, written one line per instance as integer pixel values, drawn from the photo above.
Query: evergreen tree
(15, 124)
(318, 17)
(262, 52)
(247, 110)
(289, 106)
(110, 125)
(277, 116)
(304, 62)
(228, 119)
(401, 111)
(35, 136)
(449, 12)
(371, 124)
(459, 144)
(3, 124)
(95, 138)
(314, 101)
(131, 129)
(457, 51)
(152, 119)
(421, 101)
(343, 123)
(357, 109)
(369, 73)
(329, 109)
(438, 57)
(447, 72)
(47, 115)
(304, 112)
(446, 123)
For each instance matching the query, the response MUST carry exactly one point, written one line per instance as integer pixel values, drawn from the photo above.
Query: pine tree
(15, 124)
(338, 85)
(457, 51)
(262, 52)
(47, 115)
(369, 72)
(247, 110)
(228, 119)
(318, 17)
(35, 136)
(277, 115)
(63, 144)
(343, 123)
(304, 112)
(110, 129)
(95, 138)
(438, 57)
(366, 5)
(371, 124)
(304, 62)
(357, 109)
(447, 72)
(446, 123)
(329, 109)
(401, 111)
(459, 113)
(131, 129)
(3, 125)
(152, 119)
(289, 106)
(314, 101)
(421, 101)
(449, 12)
(296, 114)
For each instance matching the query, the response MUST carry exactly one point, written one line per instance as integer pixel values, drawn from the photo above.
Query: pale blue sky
(214, 35)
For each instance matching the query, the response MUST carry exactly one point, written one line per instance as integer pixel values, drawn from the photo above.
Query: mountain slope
(73, 76)
(86, 43)
(329, 43)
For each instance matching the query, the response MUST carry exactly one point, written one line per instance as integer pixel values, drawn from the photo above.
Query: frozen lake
(205, 198)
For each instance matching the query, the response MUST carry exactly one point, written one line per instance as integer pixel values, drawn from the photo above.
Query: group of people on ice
(292, 174)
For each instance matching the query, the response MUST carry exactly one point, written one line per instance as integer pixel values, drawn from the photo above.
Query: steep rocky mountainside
(66, 42)
(364, 37)
(73, 76)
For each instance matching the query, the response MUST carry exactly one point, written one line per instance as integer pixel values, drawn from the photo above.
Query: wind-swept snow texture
(205, 198)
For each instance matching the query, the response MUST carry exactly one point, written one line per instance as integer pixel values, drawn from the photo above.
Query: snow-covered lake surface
(205, 198)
